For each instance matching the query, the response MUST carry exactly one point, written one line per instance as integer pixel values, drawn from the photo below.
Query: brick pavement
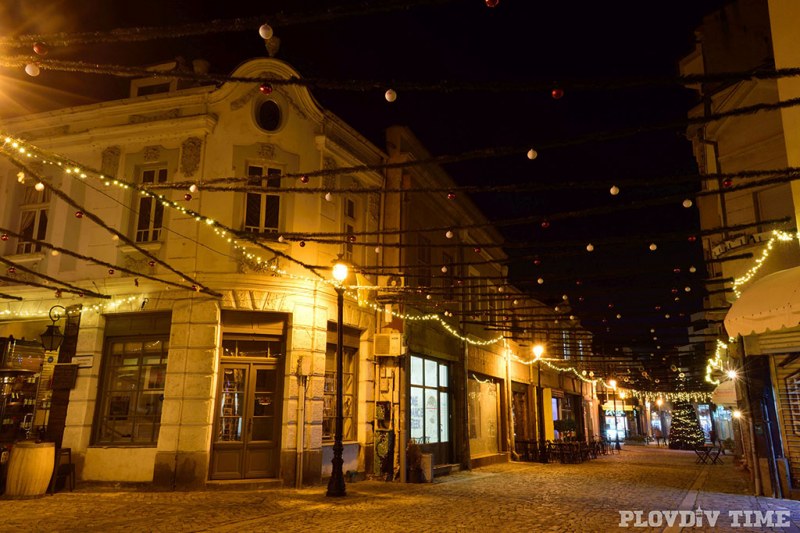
(513, 497)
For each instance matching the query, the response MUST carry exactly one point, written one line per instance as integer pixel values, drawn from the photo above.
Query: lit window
(132, 391)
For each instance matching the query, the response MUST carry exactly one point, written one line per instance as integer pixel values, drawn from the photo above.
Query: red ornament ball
(151, 263)
(545, 224)
(557, 93)
(11, 270)
(265, 88)
(302, 243)
(187, 196)
(451, 196)
(727, 183)
(40, 48)
(492, 3)
(578, 282)
(692, 238)
(351, 238)
(674, 291)
(111, 271)
(476, 250)
(303, 179)
(78, 214)
(4, 237)
(676, 270)
(537, 262)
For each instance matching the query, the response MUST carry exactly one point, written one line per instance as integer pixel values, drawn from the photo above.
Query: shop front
(430, 407)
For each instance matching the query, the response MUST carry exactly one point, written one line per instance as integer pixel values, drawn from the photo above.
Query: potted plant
(414, 462)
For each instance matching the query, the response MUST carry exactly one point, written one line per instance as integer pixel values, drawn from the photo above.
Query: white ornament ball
(193, 188)
(265, 31)
(692, 269)
(532, 154)
(377, 249)
(390, 95)
(444, 269)
(39, 186)
(614, 190)
(590, 247)
(449, 234)
(687, 203)
(32, 69)
(540, 281)
(328, 197)
(653, 247)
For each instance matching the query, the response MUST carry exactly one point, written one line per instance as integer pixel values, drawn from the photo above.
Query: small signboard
(83, 361)
(64, 376)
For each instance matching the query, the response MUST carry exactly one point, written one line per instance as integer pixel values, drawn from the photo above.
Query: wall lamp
(52, 336)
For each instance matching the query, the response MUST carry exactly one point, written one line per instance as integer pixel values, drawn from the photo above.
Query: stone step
(243, 484)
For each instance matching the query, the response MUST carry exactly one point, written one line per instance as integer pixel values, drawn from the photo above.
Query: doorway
(246, 440)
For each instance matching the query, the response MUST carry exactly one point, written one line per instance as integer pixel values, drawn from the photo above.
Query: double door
(246, 440)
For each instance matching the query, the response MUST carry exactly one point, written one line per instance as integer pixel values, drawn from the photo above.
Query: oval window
(268, 115)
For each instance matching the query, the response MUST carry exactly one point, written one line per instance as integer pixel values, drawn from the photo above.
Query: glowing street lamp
(336, 482)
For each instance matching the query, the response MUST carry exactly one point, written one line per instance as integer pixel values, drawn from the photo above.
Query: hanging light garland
(777, 237)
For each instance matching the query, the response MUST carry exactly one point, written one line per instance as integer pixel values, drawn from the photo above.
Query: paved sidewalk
(528, 497)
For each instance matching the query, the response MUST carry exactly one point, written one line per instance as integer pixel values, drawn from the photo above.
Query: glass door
(246, 427)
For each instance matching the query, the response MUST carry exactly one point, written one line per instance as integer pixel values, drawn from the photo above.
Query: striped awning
(771, 303)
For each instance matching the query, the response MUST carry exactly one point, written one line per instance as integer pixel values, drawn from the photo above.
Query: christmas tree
(685, 433)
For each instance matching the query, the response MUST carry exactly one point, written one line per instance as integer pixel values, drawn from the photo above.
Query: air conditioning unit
(388, 344)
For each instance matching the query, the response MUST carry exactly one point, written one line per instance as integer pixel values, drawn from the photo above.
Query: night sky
(590, 49)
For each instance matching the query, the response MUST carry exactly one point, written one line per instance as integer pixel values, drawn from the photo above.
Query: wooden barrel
(29, 469)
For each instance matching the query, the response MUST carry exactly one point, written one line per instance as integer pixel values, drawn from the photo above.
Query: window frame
(271, 181)
(40, 210)
(349, 390)
(106, 392)
(154, 212)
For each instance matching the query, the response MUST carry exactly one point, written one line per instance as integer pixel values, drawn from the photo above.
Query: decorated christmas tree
(685, 433)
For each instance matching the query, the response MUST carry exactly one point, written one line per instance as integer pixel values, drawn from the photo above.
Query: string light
(777, 236)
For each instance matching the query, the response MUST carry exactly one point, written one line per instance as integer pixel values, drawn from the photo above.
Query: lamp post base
(336, 482)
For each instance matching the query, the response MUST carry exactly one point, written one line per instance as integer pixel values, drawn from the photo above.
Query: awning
(769, 304)
(725, 394)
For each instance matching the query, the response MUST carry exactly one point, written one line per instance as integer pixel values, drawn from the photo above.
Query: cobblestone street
(510, 497)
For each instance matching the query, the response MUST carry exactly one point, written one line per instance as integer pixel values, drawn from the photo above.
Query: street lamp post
(613, 384)
(538, 350)
(336, 482)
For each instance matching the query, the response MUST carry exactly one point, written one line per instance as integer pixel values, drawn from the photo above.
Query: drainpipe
(509, 408)
(301, 422)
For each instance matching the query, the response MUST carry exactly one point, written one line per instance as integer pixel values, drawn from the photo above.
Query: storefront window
(132, 391)
(348, 394)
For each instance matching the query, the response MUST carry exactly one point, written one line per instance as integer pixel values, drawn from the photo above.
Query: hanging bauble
(151, 263)
(265, 88)
(351, 238)
(265, 31)
(676, 270)
(611, 306)
(578, 282)
(658, 308)
(193, 188)
(580, 299)
(492, 3)
(195, 288)
(658, 380)
(674, 291)
(557, 93)
(653, 247)
(449, 234)
(692, 238)
(687, 289)
(302, 244)
(111, 271)
(377, 249)
(78, 214)
(532, 154)
(666, 316)
(303, 179)
(4, 237)
(187, 196)
(32, 69)
(54, 253)
(477, 250)
(328, 197)
(39, 186)
(11, 270)
(545, 224)
(40, 48)
(390, 95)
(687, 203)
(444, 269)
(564, 297)
(540, 281)
(727, 183)
(537, 261)
(114, 237)
(614, 190)
(692, 269)
(619, 315)
(58, 293)
(428, 297)
(591, 373)
(590, 247)
(280, 238)
(451, 196)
